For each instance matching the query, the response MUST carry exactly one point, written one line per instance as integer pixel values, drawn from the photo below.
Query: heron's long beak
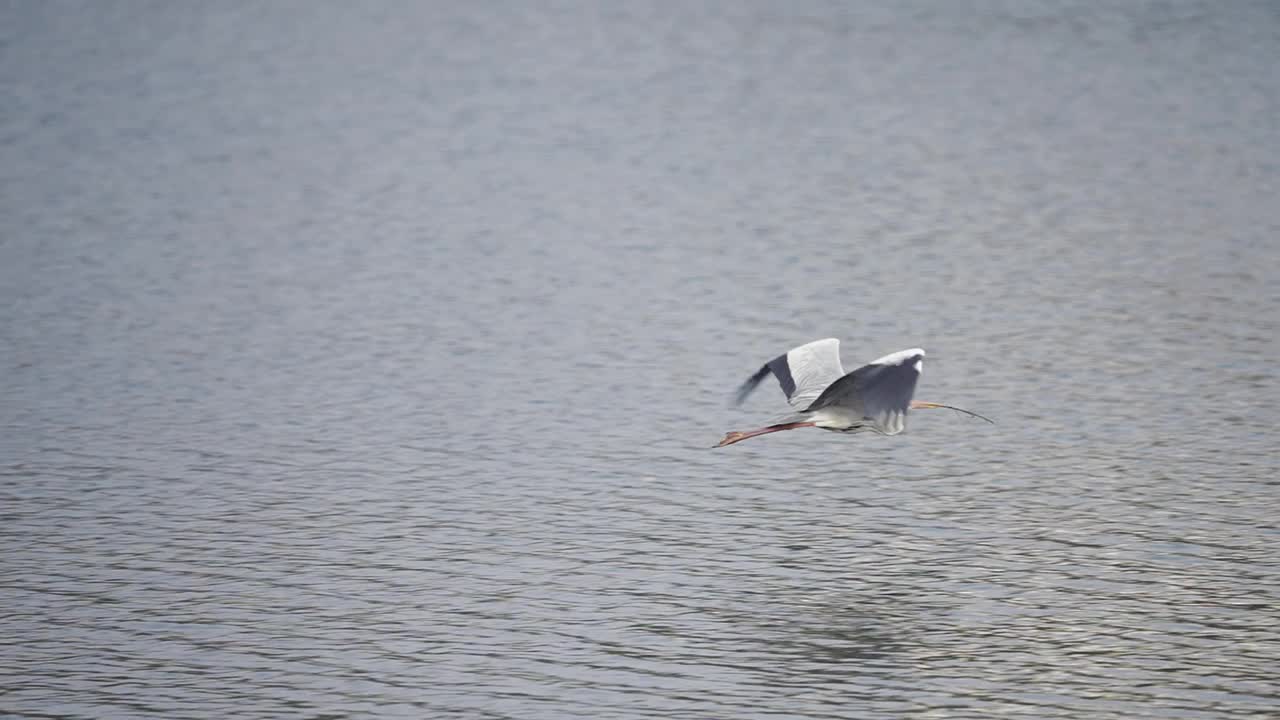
(918, 404)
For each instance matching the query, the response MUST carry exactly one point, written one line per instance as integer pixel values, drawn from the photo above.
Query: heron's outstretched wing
(880, 390)
(803, 372)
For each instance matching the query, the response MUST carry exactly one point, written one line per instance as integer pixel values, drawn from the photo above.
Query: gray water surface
(363, 360)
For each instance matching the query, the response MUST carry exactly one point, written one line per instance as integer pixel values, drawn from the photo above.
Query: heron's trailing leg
(917, 404)
(736, 436)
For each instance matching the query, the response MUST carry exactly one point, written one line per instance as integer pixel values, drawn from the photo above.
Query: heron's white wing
(803, 372)
(880, 390)
(813, 367)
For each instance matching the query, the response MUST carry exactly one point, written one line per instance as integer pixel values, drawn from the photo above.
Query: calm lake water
(364, 360)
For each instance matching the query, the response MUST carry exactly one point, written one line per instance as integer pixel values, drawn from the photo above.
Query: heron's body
(872, 398)
(840, 420)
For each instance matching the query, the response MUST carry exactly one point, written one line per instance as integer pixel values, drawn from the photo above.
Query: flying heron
(873, 398)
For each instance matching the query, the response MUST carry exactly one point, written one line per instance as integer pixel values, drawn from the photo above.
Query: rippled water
(365, 360)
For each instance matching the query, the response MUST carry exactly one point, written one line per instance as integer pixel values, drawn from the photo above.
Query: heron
(873, 398)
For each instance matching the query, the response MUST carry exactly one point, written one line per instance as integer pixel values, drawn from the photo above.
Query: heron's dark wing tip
(745, 389)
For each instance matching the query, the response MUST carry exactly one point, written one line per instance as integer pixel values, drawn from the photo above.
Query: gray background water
(364, 359)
